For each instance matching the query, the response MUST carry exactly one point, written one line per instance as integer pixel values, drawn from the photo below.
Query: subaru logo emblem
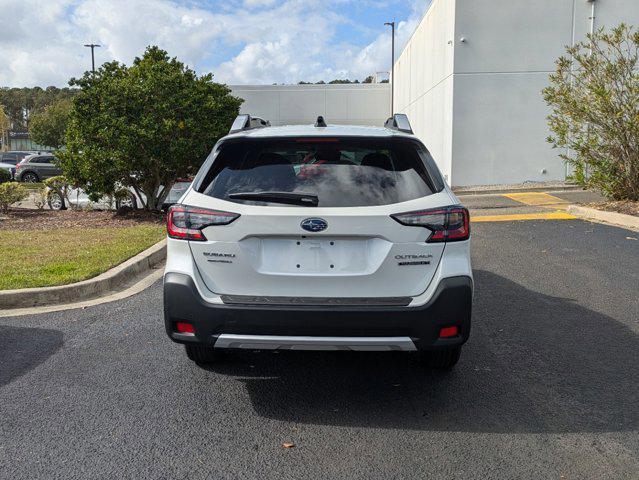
(314, 224)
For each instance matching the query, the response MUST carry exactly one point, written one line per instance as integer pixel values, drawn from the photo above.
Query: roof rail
(246, 122)
(399, 122)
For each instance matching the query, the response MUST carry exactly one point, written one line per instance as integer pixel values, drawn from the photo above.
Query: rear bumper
(318, 328)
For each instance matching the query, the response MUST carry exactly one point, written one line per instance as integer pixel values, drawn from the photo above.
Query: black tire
(201, 353)
(56, 201)
(130, 202)
(443, 359)
(30, 177)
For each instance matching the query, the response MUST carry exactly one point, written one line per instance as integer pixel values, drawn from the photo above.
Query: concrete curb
(499, 191)
(106, 282)
(613, 218)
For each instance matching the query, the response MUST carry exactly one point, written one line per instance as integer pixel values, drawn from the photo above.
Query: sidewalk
(554, 186)
(525, 205)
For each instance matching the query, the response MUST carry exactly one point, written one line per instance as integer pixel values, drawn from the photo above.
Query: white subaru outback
(319, 238)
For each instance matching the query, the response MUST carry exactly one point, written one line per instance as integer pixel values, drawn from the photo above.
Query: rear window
(340, 172)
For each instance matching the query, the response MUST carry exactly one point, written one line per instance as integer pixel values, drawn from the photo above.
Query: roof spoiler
(399, 122)
(246, 122)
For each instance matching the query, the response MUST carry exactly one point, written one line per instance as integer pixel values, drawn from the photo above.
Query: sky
(239, 41)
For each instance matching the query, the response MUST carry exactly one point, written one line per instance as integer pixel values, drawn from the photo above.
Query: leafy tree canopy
(143, 126)
(20, 104)
(594, 97)
(49, 126)
(337, 81)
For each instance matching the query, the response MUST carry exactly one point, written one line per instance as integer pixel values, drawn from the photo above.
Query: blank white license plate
(323, 256)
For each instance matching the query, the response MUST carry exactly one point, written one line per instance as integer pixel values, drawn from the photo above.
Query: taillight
(186, 223)
(449, 224)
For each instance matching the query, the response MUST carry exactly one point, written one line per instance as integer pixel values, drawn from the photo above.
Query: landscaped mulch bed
(625, 206)
(25, 219)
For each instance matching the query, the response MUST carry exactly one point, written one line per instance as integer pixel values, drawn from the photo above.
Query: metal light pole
(392, 25)
(92, 47)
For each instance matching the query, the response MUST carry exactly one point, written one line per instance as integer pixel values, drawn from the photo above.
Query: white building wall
(498, 114)
(424, 85)
(349, 104)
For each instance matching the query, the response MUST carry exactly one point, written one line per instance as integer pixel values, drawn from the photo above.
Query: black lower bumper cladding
(450, 305)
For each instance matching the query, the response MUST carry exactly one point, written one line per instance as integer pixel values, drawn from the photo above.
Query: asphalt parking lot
(547, 387)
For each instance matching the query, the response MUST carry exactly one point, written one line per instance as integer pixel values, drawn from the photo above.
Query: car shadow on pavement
(22, 349)
(534, 363)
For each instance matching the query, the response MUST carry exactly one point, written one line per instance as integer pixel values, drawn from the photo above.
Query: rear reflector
(448, 332)
(183, 327)
(448, 224)
(186, 223)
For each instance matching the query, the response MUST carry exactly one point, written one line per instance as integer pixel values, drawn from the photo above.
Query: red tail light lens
(450, 224)
(186, 223)
(448, 332)
(184, 327)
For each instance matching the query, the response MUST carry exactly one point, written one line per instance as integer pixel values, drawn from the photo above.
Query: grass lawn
(38, 258)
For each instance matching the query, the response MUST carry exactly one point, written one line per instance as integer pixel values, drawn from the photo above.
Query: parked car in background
(37, 167)
(15, 156)
(8, 160)
(176, 192)
(76, 197)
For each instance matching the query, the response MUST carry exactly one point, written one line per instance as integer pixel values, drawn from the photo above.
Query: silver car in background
(78, 198)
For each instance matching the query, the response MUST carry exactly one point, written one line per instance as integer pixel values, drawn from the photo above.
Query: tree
(4, 126)
(20, 104)
(49, 127)
(369, 79)
(594, 97)
(143, 126)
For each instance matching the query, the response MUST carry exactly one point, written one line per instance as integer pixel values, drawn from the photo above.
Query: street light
(392, 25)
(92, 46)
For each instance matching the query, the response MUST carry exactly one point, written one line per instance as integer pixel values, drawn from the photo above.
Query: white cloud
(288, 56)
(259, 3)
(376, 56)
(279, 41)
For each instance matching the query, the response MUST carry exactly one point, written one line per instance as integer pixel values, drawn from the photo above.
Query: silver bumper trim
(278, 342)
(317, 301)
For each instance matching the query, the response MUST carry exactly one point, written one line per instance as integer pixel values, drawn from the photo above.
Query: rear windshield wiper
(304, 199)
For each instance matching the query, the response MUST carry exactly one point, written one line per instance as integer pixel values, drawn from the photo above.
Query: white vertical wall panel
(423, 85)
(477, 104)
(354, 104)
(608, 13)
(511, 35)
(499, 130)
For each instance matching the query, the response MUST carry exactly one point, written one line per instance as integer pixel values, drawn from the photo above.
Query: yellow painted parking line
(523, 216)
(534, 198)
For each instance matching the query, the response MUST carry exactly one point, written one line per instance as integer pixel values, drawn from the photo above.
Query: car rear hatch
(271, 247)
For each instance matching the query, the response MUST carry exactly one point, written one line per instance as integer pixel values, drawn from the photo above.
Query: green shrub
(10, 193)
(5, 176)
(41, 198)
(58, 183)
(594, 98)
